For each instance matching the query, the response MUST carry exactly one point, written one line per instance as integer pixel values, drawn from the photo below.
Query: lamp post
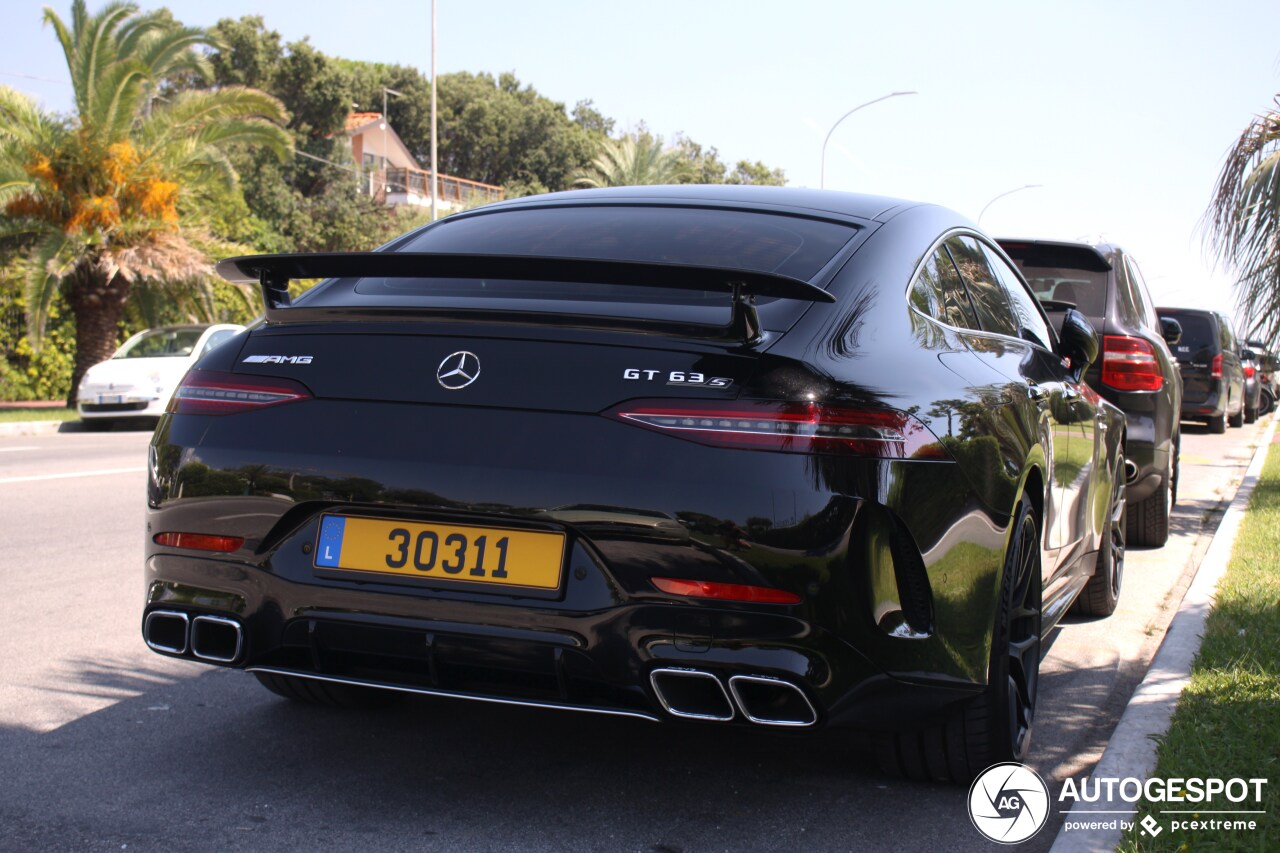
(822, 180)
(1003, 194)
(435, 186)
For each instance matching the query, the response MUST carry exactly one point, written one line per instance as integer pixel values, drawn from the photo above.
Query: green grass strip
(1227, 723)
(10, 416)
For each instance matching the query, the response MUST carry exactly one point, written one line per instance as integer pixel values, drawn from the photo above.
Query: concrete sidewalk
(1131, 751)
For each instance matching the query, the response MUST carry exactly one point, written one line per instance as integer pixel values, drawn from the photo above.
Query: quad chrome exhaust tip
(217, 639)
(167, 631)
(692, 694)
(698, 695)
(772, 701)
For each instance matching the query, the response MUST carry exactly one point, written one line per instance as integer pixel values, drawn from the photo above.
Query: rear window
(794, 246)
(1063, 274)
(1198, 336)
(161, 343)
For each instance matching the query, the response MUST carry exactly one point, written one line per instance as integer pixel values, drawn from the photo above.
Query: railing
(450, 190)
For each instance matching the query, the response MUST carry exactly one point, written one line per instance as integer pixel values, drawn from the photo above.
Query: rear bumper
(602, 662)
(1212, 405)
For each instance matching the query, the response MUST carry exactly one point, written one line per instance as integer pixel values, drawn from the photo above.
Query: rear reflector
(199, 541)
(212, 392)
(726, 591)
(1129, 364)
(788, 427)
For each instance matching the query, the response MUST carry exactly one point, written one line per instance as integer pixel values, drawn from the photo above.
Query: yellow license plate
(441, 552)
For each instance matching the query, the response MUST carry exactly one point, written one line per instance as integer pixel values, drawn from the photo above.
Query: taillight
(1215, 371)
(212, 392)
(1129, 364)
(788, 427)
(1249, 370)
(726, 591)
(199, 541)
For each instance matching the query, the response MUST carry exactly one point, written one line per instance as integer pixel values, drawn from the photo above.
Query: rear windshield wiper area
(446, 277)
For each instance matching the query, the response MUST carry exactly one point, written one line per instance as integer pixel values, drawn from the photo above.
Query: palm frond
(50, 263)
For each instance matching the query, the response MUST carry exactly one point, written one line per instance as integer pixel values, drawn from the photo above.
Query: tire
(313, 692)
(1148, 520)
(1101, 594)
(1250, 415)
(1218, 425)
(996, 726)
(1267, 402)
(1237, 420)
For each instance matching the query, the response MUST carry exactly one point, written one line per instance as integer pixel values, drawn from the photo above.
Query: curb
(1131, 751)
(32, 427)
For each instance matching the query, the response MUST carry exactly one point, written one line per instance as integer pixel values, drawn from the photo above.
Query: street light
(435, 184)
(1003, 194)
(822, 180)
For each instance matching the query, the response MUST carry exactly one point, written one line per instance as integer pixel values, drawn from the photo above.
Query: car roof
(1101, 250)
(791, 199)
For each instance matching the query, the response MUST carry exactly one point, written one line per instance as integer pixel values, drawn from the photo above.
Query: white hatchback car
(139, 379)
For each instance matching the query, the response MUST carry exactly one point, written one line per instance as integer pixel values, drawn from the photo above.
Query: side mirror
(1078, 341)
(1246, 355)
(1171, 331)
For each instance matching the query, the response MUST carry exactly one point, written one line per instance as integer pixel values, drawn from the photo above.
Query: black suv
(1137, 372)
(1212, 373)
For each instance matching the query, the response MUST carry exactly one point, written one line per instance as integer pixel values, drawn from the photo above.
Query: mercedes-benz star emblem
(458, 370)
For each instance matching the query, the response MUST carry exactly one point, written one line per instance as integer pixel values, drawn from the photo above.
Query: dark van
(1212, 374)
(1135, 370)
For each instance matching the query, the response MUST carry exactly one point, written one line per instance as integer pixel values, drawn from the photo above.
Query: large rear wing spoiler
(273, 273)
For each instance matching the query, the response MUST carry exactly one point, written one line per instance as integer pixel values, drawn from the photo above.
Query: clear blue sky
(1121, 110)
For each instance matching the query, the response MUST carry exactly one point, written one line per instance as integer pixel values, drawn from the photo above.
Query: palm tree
(634, 160)
(97, 198)
(1243, 221)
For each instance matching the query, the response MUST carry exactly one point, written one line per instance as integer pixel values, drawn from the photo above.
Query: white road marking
(12, 449)
(5, 480)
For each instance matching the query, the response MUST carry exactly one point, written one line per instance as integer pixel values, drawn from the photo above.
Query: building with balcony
(390, 174)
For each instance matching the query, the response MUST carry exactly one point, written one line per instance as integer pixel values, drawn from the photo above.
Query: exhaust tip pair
(698, 695)
(217, 639)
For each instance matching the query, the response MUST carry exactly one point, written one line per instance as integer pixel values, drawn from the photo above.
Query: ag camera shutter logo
(1008, 803)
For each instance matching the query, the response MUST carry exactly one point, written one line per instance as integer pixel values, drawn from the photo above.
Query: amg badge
(278, 359)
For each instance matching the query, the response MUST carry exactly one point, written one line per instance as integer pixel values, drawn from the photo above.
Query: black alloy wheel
(1102, 592)
(1020, 606)
(995, 726)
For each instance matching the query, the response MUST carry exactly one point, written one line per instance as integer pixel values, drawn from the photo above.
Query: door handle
(1035, 392)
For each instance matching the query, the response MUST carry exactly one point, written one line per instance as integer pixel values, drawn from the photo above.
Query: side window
(990, 303)
(1032, 324)
(1227, 335)
(217, 338)
(939, 293)
(1142, 296)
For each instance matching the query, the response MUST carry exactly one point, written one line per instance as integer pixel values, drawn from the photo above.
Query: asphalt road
(107, 746)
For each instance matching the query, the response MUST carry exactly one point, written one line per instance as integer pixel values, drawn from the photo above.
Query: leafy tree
(634, 160)
(587, 117)
(705, 167)
(98, 197)
(1243, 220)
(499, 132)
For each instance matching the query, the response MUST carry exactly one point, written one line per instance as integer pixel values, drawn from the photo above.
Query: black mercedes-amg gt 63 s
(745, 456)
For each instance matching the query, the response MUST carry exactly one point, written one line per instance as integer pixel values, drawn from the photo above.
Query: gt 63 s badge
(676, 377)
